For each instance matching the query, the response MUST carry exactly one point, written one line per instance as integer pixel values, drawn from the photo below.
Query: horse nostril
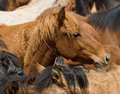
(20, 73)
(107, 59)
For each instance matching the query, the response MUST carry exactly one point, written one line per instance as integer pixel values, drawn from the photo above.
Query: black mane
(10, 70)
(110, 19)
(11, 57)
(44, 80)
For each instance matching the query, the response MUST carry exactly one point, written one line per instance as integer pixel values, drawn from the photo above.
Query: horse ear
(61, 16)
(56, 76)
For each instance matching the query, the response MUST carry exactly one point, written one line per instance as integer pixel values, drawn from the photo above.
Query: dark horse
(61, 80)
(8, 5)
(10, 70)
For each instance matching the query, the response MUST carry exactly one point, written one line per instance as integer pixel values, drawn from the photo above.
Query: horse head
(68, 37)
(78, 40)
(10, 70)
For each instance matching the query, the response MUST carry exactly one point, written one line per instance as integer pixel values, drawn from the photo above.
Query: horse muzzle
(99, 64)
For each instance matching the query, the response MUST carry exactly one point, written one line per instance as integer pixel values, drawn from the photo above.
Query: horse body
(19, 39)
(106, 83)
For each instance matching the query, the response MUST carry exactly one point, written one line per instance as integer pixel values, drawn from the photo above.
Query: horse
(10, 5)
(34, 8)
(99, 82)
(56, 28)
(10, 70)
(28, 12)
(59, 80)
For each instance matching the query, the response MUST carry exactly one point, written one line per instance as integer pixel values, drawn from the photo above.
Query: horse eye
(76, 34)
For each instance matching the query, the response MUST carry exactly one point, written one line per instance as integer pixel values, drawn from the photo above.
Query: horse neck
(43, 56)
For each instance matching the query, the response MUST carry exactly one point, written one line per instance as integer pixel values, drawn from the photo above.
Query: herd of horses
(59, 46)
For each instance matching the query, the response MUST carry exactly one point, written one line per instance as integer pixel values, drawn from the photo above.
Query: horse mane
(4, 75)
(82, 7)
(109, 18)
(9, 56)
(3, 5)
(46, 29)
(44, 80)
(82, 79)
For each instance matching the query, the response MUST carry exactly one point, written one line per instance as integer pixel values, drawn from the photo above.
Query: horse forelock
(13, 58)
(44, 79)
(48, 23)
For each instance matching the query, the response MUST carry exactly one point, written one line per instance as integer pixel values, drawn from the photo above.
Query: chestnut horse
(9, 5)
(56, 28)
